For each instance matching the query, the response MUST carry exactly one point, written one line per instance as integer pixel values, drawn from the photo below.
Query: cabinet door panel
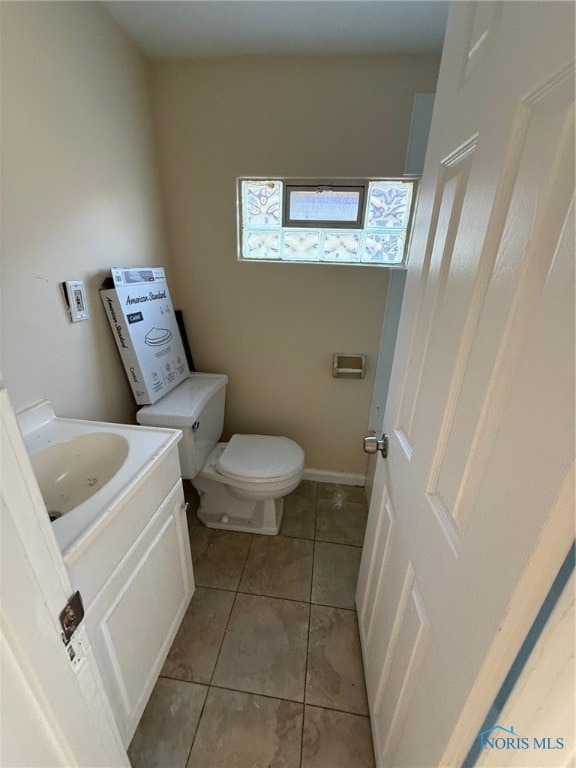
(137, 614)
(140, 619)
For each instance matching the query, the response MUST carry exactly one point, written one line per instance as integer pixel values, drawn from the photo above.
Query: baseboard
(326, 476)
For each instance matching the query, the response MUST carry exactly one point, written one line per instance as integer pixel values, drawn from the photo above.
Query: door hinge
(71, 617)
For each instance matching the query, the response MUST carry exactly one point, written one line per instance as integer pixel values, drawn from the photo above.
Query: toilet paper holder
(348, 365)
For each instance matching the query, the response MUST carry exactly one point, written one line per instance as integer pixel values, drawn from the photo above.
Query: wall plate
(75, 294)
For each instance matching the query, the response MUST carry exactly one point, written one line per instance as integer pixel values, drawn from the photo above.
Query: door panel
(451, 189)
(43, 682)
(372, 593)
(148, 593)
(481, 401)
(395, 695)
(483, 21)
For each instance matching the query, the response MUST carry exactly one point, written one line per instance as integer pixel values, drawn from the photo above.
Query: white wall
(274, 327)
(79, 194)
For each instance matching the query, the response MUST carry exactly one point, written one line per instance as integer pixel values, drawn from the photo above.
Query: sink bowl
(72, 471)
(88, 471)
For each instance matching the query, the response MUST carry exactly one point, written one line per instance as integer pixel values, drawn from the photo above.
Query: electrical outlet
(76, 299)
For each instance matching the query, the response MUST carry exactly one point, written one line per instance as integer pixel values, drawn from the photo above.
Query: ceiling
(185, 28)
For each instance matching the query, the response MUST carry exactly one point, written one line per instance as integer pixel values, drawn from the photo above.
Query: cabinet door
(136, 616)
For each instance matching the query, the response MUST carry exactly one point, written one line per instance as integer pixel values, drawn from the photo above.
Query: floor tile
(264, 648)
(279, 566)
(238, 730)
(343, 523)
(335, 675)
(166, 731)
(299, 518)
(307, 488)
(336, 740)
(218, 556)
(341, 494)
(335, 574)
(195, 649)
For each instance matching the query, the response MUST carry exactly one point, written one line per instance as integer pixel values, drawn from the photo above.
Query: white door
(472, 513)
(53, 710)
(543, 696)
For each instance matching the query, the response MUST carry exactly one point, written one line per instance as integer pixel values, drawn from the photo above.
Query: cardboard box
(140, 312)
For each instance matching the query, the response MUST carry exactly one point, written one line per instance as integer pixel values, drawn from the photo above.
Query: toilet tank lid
(182, 406)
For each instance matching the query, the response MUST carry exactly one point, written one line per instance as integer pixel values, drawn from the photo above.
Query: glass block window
(261, 204)
(362, 222)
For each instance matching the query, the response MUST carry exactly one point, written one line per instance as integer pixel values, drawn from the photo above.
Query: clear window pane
(326, 205)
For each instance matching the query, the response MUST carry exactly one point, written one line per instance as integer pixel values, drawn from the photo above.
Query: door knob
(373, 444)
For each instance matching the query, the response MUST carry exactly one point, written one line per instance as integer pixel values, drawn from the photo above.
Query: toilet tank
(196, 406)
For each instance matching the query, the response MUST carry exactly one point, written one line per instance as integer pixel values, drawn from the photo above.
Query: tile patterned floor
(266, 669)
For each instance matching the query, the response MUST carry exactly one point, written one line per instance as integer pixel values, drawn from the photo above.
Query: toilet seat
(260, 459)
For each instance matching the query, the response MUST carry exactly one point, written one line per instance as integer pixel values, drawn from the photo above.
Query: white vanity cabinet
(136, 581)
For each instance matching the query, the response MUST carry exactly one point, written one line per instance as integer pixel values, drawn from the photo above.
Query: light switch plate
(76, 298)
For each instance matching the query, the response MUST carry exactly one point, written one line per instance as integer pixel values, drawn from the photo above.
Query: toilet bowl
(241, 483)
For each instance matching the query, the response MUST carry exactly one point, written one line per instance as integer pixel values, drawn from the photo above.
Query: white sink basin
(72, 471)
(88, 470)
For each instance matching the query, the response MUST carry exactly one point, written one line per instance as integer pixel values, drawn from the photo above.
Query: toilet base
(218, 509)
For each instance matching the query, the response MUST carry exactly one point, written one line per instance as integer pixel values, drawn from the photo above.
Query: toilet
(241, 483)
